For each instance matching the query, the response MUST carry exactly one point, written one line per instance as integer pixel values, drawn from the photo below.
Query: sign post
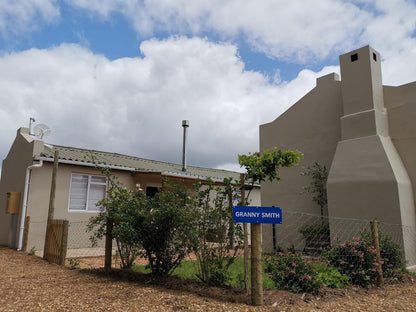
(256, 216)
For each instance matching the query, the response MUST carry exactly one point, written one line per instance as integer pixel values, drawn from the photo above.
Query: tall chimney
(185, 124)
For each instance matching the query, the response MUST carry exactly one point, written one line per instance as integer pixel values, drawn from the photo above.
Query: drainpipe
(24, 208)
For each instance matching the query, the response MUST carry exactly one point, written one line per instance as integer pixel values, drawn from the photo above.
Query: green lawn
(187, 270)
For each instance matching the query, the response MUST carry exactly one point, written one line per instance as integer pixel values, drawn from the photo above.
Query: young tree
(317, 186)
(219, 238)
(167, 228)
(264, 166)
(260, 167)
(120, 208)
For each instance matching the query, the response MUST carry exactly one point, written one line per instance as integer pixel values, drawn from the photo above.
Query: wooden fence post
(108, 245)
(51, 202)
(374, 233)
(64, 242)
(256, 265)
(26, 233)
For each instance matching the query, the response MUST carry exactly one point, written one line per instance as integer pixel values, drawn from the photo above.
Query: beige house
(26, 182)
(366, 134)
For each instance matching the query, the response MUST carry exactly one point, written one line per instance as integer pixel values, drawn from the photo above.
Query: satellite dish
(41, 131)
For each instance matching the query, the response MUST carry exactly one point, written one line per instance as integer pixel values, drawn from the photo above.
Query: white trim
(89, 183)
(87, 164)
(132, 169)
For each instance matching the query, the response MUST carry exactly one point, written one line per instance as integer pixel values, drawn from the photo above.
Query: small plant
(390, 252)
(357, 260)
(74, 263)
(292, 272)
(219, 237)
(330, 277)
(32, 251)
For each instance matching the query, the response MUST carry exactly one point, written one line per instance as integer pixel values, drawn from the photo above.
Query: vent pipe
(30, 125)
(185, 124)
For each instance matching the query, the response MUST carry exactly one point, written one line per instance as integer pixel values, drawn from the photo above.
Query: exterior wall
(38, 203)
(368, 179)
(13, 176)
(312, 127)
(365, 132)
(401, 106)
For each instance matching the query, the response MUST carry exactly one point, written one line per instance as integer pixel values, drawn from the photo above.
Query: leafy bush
(219, 238)
(160, 228)
(166, 228)
(292, 272)
(330, 277)
(357, 260)
(390, 252)
(120, 208)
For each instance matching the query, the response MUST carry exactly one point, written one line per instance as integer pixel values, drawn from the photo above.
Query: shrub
(331, 277)
(390, 252)
(292, 272)
(356, 259)
(120, 207)
(166, 228)
(219, 238)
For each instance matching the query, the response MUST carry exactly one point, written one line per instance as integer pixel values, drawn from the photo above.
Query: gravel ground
(27, 283)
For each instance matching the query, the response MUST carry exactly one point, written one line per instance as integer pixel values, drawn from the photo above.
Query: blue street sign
(253, 214)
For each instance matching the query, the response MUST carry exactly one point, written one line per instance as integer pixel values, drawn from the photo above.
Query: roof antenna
(30, 125)
(185, 124)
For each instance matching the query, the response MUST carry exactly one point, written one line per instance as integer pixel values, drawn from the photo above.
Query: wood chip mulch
(28, 283)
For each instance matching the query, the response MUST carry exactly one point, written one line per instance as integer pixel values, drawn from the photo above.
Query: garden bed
(30, 284)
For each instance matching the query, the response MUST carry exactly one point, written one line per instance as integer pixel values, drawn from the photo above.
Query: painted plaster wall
(370, 153)
(38, 203)
(13, 180)
(368, 179)
(312, 127)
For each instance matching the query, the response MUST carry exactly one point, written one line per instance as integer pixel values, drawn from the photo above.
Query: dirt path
(28, 283)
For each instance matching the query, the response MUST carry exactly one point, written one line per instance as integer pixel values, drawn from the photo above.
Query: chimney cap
(185, 123)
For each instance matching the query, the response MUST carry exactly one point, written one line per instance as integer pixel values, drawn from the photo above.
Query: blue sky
(121, 75)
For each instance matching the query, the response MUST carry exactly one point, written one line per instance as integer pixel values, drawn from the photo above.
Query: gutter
(86, 164)
(25, 197)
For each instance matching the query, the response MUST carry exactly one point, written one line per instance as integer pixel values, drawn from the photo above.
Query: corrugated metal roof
(84, 157)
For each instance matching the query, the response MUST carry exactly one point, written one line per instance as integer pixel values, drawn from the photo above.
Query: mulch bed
(28, 283)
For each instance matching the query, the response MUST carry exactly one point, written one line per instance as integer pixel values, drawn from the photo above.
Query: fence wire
(302, 239)
(342, 244)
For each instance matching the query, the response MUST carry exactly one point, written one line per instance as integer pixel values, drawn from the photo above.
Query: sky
(121, 75)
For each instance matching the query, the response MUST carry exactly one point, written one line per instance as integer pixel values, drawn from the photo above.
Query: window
(354, 57)
(151, 191)
(86, 191)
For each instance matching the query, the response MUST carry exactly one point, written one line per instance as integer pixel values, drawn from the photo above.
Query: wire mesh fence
(303, 239)
(78, 245)
(360, 251)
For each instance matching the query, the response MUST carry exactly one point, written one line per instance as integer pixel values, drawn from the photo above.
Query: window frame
(89, 183)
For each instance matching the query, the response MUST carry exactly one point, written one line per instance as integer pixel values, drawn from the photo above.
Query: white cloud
(301, 30)
(17, 17)
(136, 105)
(392, 32)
